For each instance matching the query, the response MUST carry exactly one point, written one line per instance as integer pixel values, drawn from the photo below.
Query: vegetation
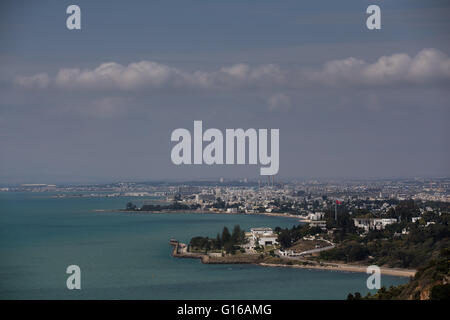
(223, 242)
(425, 246)
(130, 207)
(348, 252)
(150, 207)
(287, 237)
(430, 282)
(392, 248)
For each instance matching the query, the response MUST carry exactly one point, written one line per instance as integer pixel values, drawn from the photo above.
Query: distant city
(306, 198)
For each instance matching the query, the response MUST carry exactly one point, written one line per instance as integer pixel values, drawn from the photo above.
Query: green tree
(238, 235)
(130, 206)
(218, 242)
(229, 248)
(284, 239)
(226, 237)
(440, 292)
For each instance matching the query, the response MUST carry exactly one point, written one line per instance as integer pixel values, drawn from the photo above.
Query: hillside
(430, 282)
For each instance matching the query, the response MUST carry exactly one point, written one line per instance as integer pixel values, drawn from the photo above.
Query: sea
(127, 255)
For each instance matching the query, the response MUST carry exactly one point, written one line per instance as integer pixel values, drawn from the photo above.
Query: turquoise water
(127, 256)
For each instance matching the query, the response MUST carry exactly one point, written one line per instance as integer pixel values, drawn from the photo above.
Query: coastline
(303, 264)
(341, 267)
(270, 214)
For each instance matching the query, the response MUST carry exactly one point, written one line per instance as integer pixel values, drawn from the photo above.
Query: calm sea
(127, 256)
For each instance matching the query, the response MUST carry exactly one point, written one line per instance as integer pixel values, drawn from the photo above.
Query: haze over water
(127, 256)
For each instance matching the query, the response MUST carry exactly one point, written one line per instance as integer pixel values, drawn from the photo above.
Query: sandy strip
(347, 268)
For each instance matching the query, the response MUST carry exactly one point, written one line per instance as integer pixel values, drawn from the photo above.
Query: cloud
(279, 102)
(153, 75)
(40, 80)
(429, 66)
(111, 75)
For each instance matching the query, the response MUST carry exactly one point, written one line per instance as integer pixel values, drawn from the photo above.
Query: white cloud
(112, 75)
(336, 71)
(153, 75)
(428, 66)
(387, 68)
(239, 71)
(40, 80)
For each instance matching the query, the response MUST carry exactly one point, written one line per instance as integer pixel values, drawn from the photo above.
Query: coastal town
(400, 225)
(368, 203)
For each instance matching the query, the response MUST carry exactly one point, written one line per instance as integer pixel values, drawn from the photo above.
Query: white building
(380, 224)
(263, 236)
(316, 216)
(373, 223)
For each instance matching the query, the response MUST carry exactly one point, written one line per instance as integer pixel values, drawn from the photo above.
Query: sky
(99, 104)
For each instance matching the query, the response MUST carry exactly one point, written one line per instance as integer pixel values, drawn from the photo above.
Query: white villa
(373, 224)
(263, 236)
(316, 216)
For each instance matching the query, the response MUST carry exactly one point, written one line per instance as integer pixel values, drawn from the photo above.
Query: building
(263, 236)
(316, 216)
(373, 223)
(205, 197)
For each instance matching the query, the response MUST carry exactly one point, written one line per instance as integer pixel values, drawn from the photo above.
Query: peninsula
(260, 246)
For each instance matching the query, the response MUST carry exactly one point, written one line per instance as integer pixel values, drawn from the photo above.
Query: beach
(340, 267)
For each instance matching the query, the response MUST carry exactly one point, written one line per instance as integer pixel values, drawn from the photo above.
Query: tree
(357, 252)
(229, 248)
(284, 239)
(226, 237)
(130, 206)
(207, 246)
(238, 235)
(218, 242)
(440, 292)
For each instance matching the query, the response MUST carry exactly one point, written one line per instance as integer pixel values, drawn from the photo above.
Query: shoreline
(207, 259)
(341, 267)
(270, 214)
(250, 259)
